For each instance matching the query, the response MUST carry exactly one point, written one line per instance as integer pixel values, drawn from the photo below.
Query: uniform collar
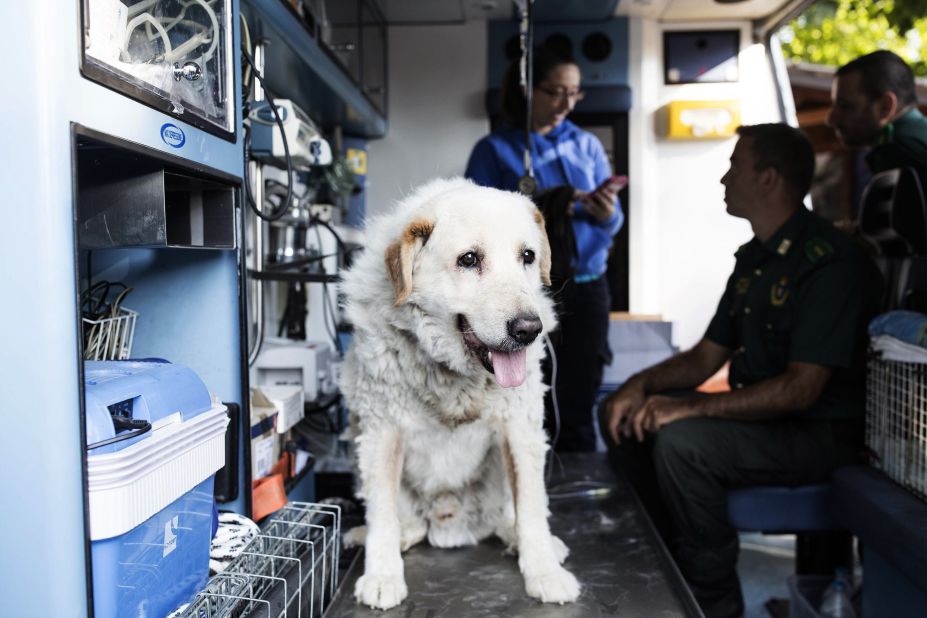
(784, 239)
(887, 134)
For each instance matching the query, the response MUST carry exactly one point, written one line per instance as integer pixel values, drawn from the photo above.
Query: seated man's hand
(658, 411)
(620, 407)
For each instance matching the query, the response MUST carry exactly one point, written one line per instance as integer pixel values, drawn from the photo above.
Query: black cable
(313, 424)
(246, 177)
(272, 186)
(93, 300)
(293, 320)
(303, 261)
(126, 436)
(313, 220)
(286, 150)
(281, 186)
(328, 311)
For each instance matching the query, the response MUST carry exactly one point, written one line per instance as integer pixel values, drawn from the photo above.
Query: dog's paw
(354, 537)
(381, 591)
(561, 551)
(554, 586)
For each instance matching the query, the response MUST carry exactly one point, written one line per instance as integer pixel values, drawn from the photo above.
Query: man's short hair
(883, 71)
(784, 148)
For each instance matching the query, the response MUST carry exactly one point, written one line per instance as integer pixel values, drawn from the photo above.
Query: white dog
(443, 381)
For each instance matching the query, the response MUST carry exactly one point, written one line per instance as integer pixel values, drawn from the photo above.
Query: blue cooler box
(155, 438)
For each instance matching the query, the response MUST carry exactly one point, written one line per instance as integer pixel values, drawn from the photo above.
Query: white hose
(215, 30)
(135, 23)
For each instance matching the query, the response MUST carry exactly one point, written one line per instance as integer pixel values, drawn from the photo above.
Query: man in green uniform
(792, 321)
(874, 103)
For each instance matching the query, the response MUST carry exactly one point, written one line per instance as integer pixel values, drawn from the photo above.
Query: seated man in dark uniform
(792, 321)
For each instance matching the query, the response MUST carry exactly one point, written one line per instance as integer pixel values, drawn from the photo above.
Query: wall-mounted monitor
(700, 56)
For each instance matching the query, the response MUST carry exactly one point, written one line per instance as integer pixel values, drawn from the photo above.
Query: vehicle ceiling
(458, 11)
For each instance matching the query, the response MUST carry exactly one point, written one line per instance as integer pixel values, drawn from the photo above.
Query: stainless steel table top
(615, 553)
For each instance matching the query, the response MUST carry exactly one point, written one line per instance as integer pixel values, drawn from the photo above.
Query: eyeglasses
(561, 93)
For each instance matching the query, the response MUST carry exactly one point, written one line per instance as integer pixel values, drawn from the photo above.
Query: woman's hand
(600, 204)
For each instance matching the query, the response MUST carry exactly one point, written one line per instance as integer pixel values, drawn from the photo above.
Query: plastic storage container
(151, 495)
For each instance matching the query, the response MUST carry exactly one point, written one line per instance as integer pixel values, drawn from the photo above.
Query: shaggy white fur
(444, 385)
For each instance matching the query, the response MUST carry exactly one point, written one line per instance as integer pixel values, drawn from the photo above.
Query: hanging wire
(273, 216)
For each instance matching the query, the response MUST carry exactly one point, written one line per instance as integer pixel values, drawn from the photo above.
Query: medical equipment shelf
(292, 275)
(190, 302)
(324, 89)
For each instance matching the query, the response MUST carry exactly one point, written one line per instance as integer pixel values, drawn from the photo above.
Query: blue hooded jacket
(567, 155)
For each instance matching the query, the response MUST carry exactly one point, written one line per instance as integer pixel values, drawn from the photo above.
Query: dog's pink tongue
(509, 367)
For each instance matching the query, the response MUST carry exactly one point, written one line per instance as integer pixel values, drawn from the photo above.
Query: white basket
(110, 338)
(896, 421)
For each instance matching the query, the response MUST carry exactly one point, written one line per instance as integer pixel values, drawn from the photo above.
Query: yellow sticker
(357, 160)
(784, 246)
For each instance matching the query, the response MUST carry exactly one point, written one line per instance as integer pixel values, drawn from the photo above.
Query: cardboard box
(265, 441)
(289, 400)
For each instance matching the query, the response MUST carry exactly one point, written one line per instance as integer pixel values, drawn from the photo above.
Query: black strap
(137, 426)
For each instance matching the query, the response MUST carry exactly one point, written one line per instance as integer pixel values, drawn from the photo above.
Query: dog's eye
(528, 256)
(468, 260)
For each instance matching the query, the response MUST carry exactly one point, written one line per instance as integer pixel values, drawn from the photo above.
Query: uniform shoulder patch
(817, 249)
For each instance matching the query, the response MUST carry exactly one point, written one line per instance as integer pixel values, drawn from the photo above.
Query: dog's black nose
(524, 328)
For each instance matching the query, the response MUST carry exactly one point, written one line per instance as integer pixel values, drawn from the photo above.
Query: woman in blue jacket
(564, 157)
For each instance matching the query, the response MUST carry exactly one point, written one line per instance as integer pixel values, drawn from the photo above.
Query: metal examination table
(615, 553)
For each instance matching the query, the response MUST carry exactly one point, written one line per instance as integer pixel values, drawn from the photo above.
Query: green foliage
(833, 32)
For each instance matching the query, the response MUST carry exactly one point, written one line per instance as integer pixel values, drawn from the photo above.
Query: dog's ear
(545, 249)
(401, 253)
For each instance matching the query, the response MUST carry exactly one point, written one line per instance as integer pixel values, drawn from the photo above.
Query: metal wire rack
(290, 570)
(110, 338)
(896, 421)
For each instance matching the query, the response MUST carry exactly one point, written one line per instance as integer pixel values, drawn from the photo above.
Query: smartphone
(613, 183)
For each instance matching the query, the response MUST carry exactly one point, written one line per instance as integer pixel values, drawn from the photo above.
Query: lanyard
(527, 184)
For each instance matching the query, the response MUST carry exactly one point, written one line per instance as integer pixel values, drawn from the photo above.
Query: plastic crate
(805, 593)
(896, 421)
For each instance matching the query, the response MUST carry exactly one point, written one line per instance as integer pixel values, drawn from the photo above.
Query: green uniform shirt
(902, 143)
(804, 295)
